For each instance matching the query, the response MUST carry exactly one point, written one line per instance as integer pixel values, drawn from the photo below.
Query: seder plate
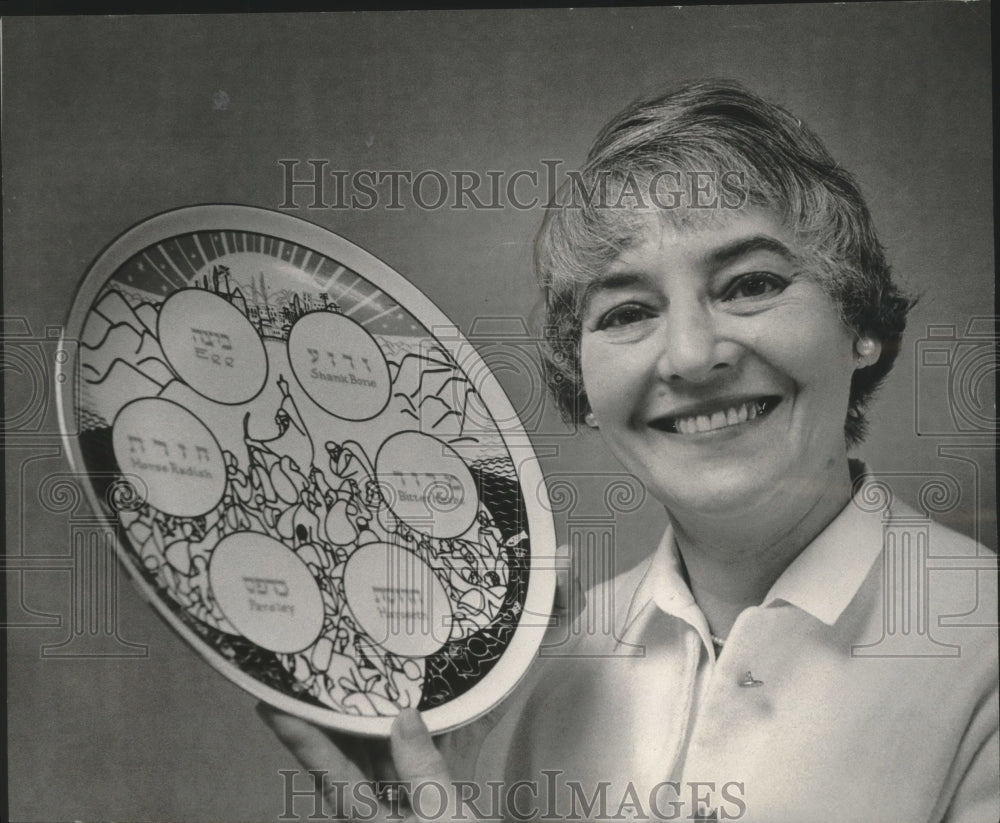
(314, 478)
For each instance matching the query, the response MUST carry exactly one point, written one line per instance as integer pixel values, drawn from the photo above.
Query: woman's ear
(867, 351)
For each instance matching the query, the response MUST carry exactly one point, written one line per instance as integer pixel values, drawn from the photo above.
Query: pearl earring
(867, 350)
(590, 419)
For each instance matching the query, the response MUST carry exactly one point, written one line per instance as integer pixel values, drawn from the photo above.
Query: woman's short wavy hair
(768, 159)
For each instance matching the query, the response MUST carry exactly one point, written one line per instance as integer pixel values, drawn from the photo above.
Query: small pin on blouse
(749, 681)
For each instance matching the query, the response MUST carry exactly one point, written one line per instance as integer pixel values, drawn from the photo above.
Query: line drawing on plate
(313, 509)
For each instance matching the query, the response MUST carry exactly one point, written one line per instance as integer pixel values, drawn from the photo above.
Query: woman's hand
(355, 772)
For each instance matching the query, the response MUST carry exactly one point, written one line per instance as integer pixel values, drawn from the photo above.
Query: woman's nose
(693, 350)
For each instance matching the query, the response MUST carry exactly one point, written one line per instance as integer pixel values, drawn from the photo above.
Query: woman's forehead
(716, 237)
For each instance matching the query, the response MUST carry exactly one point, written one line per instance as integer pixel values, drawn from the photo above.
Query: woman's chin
(743, 491)
(720, 503)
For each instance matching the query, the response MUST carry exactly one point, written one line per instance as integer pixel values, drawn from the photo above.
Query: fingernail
(411, 725)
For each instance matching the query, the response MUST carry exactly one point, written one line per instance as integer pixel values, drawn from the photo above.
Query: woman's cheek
(594, 370)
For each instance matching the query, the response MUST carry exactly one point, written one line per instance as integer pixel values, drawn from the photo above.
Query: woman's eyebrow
(714, 259)
(747, 245)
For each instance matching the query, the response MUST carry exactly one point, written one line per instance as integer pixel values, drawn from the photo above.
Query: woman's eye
(757, 284)
(623, 316)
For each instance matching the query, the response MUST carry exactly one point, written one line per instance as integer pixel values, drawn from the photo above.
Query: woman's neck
(732, 561)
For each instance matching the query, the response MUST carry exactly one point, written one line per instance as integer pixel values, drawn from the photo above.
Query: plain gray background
(107, 121)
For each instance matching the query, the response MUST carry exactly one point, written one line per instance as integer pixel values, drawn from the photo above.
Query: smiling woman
(725, 355)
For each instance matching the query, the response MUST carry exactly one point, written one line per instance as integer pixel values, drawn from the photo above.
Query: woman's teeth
(740, 413)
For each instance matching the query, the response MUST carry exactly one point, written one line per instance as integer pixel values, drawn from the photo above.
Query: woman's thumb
(413, 751)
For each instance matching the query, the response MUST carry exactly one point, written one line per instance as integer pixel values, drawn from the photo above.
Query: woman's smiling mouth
(716, 416)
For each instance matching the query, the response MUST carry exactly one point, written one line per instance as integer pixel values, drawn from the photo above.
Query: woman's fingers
(311, 745)
(341, 763)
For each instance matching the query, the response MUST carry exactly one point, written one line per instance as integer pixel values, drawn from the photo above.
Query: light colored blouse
(854, 692)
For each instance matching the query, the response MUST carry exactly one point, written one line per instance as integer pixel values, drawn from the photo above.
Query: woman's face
(717, 367)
